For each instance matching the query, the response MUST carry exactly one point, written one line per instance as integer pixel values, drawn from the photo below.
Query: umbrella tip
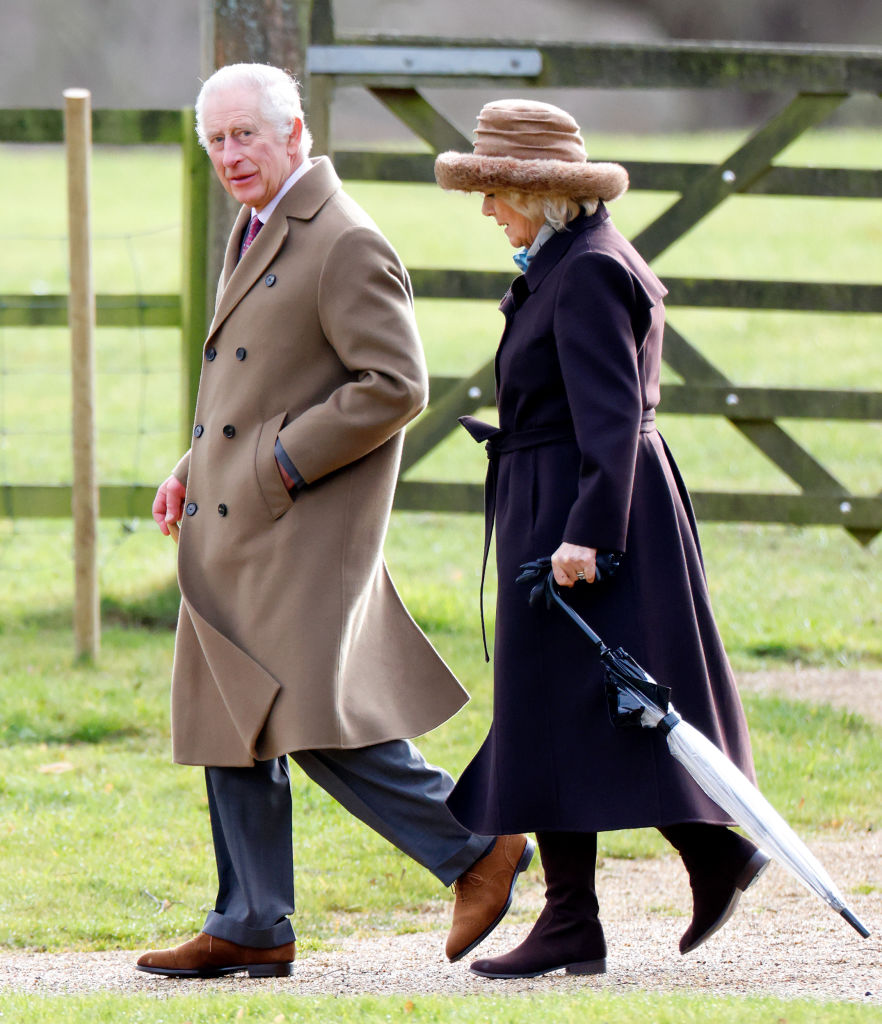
(855, 923)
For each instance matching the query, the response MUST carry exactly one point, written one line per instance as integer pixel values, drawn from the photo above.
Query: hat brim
(466, 172)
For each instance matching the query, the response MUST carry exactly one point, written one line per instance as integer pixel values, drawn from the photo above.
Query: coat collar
(302, 203)
(551, 253)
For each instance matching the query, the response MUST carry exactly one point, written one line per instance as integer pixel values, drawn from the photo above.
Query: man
(291, 638)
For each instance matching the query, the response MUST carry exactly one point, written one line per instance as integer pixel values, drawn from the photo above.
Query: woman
(579, 467)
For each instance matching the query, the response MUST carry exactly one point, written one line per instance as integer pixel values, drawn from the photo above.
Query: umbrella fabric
(729, 788)
(721, 780)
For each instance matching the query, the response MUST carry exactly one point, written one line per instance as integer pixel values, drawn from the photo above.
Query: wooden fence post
(78, 136)
(318, 93)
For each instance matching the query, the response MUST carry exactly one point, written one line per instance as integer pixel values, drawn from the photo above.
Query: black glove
(539, 572)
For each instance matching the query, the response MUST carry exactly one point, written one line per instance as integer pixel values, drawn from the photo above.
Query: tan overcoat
(291, 634)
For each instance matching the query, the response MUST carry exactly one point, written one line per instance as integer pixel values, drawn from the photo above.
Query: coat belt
(502, 442)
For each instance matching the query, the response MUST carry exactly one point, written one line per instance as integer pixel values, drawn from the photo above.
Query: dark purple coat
(579, 361)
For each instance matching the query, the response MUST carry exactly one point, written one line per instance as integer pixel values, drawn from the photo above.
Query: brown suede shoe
(484, 892)
(209, 957)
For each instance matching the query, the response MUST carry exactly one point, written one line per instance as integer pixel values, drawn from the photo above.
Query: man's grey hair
(279, 98)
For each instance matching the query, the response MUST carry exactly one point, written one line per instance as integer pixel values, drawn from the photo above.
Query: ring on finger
(580, 575)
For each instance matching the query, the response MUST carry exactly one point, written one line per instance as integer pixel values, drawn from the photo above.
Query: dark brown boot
(207, 956)
(722, 865)
(567, 935)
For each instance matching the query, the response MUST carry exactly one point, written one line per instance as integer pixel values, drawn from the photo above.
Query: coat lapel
(551, 253)
(559, 245)
(240, 276)
(302, 202)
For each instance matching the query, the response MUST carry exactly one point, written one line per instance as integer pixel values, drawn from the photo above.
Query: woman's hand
(571, 563)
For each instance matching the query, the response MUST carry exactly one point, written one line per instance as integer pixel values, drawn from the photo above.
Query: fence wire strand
(45, 461)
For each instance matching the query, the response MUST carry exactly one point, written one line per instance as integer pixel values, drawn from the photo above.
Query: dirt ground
(783, 940)
(851, 689)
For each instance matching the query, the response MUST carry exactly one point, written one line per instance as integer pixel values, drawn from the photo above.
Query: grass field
(577, 1009)
(100, 831)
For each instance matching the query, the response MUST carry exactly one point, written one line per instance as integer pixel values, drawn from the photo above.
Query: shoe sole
(522, 865)
(749, 874)
(585, 967)
(281, 970)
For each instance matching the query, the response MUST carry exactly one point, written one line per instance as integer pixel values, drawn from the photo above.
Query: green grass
(86, 784)
(575, 1008)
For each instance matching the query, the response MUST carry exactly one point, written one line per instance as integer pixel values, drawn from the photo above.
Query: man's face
(245, 151)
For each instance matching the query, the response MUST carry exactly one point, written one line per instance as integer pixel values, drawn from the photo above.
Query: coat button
(191, 508)
(229, 430)
(269, 280)
(241, 353)
(210, 353)
(222, 509)
(198, 430)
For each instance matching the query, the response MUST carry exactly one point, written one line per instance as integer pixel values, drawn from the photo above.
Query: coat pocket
(269, 481)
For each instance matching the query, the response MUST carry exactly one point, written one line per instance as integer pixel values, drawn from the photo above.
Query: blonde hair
(558, 211)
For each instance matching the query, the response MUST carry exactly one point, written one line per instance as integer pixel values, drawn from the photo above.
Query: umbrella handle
(541, 570)
(553, 594)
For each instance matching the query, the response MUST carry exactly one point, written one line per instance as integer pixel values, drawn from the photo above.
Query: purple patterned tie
(255, 226)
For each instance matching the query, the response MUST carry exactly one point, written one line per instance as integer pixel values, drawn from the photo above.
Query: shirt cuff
(289, 467)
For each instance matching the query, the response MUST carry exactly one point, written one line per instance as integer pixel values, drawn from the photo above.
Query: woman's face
(519, 229)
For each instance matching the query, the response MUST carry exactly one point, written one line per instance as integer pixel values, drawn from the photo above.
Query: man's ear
(295, 138)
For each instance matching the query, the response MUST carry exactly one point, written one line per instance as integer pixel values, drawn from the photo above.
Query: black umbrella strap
(668, 722)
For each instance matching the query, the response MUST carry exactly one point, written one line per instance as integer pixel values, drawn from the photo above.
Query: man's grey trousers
(389, 786)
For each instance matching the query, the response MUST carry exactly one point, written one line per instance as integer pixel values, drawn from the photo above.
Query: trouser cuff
(257, 938)
(474, 849)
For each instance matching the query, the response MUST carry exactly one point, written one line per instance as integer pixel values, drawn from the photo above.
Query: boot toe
(713, 908)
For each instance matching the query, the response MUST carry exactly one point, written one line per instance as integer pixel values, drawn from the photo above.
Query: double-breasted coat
(577, 385)
(291, 634)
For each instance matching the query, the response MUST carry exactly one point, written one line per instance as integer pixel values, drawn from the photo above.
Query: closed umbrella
(636, 699)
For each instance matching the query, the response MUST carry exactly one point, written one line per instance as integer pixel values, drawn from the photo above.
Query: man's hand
(571, 563)
(168, 505)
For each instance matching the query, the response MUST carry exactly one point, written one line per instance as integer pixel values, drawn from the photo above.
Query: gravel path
(850, 689)
(783, 941)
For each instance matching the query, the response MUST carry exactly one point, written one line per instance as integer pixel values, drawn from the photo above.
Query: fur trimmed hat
(533, 147)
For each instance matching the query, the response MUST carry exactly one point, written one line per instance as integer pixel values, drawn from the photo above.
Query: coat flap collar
(302, 202)
(312, 191)
(551, 253)
(560, 243)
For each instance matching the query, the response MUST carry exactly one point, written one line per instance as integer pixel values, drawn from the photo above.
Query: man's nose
(232, 154)
(487, 207)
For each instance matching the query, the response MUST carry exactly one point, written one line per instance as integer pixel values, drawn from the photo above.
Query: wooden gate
(817, 82)
(395, 70)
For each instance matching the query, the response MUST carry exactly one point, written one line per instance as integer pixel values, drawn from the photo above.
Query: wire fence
(138, 377)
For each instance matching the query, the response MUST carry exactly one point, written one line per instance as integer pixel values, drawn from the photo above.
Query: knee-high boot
(567, 933)
(722, 864)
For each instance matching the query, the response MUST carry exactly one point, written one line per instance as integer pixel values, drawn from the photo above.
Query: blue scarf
(522, 259)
